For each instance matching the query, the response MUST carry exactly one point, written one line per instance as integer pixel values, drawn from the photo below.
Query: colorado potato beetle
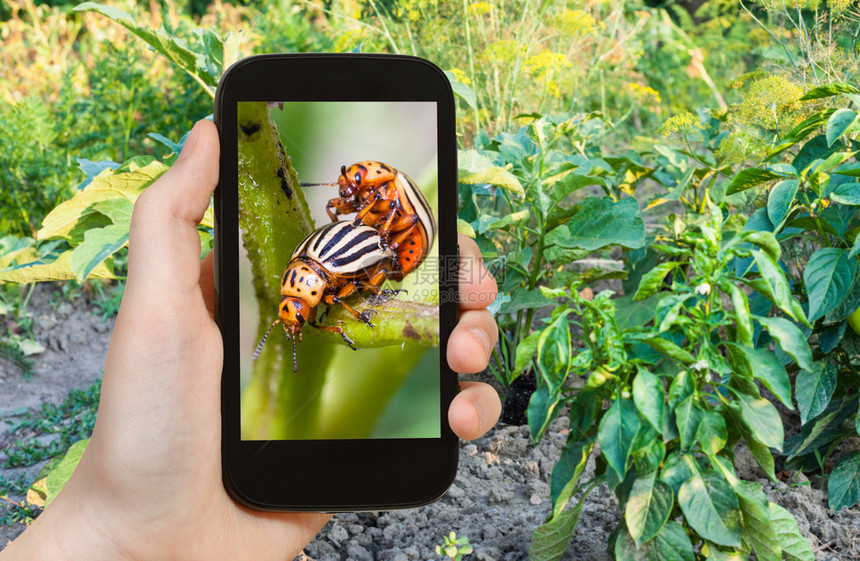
(332, 263)
(388, 200)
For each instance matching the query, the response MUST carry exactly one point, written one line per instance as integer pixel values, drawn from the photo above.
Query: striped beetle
(332, 263)
(388, 200)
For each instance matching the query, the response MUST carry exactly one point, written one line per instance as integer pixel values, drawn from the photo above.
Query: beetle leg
(336, 329)
(375, 281)
(339, 206)
(363, 316)
(407, 222)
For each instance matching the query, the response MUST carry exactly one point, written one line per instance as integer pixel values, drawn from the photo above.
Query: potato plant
(682, 394)
(803, 190)
(521, 200)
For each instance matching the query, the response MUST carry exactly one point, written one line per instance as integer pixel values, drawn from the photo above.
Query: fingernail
(482, 336)
(188, 147)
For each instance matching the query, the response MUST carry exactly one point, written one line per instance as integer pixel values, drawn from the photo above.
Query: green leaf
(554, 353)
(749, 178)
(761, 418)
(855, 249)
(757, 529)
(101, 194)
(828, 277)
(461, 90)
(649, 398)
(465, 228)
(780, 199)
(711, 507)
(600, 222)
(549, 540)
(843, 486)
(651, 281)
(766, 241)
(794, 546)
(517, 219)
(830, 90)
(838, 123)
(567, 472)
(743, 321)
(562, 188)
(762, 365)
(673, 304)
(777, 287)
(790, 338)
(542, 410)
(676, 470)
(671, 544)
(174, 49)
(526, 350)
(712, 432)
(648, 507)
(500, 177)
(814, 389)
(630, 313)
(688, 417)
(761, 453)
(847, 194)
(98, 245)
(669, 349)
(61, 474)
(525, 299)
(52, 267)
(618, 427)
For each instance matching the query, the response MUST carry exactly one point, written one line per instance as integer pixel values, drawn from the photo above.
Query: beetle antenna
(318, 184)
(295, 364)
(263, 340)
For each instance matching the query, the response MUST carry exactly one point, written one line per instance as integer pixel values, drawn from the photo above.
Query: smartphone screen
(305, 381)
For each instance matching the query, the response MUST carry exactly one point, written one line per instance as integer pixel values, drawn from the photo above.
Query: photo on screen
(324, 364)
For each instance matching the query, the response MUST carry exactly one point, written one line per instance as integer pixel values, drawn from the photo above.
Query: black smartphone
(336, 280)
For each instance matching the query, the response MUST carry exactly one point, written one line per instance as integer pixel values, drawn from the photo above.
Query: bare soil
(500, 496)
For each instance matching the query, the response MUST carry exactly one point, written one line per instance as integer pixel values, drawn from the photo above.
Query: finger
(477, 286)
(207, 282)
(474, 410)
(472, 341)
(164, 247)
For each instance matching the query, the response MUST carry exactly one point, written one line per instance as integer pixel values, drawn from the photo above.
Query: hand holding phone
(336, 272)
(150, 481)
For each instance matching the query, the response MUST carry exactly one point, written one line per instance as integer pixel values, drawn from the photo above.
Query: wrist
(67, 530)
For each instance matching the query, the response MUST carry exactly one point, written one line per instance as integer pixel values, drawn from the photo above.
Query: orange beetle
(388, 200)
(332, 263)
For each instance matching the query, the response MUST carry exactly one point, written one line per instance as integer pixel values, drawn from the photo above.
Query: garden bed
(500, 496)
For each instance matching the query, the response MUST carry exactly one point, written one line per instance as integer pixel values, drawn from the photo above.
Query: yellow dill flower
(544, 66)
(479, 9)
(572, 22)
(461, 76)
(503, 52)
(643, 95)
(770, 103)
(682, 124)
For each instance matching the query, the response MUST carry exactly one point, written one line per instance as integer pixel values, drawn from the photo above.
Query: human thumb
(164, 247)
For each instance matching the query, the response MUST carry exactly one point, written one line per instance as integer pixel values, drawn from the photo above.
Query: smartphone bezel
(332, 475)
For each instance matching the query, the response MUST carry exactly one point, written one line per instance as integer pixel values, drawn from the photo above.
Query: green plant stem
(471, 56)
(769, 32)
(825, 241)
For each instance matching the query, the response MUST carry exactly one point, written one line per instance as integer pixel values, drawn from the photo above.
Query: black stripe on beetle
(337, 237)
(357, 239)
